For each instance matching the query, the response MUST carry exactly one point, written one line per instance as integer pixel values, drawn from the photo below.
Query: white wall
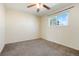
(21, 26)
(67, 35)
(2, 26)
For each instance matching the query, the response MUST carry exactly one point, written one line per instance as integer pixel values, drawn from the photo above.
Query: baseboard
(61, 44)
(21, 41)
(1, 49)
(49, 41)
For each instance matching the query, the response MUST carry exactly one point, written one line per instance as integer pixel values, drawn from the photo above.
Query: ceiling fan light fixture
(39, 6)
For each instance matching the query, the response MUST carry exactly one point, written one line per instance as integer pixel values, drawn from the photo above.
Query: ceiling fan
(38, 6)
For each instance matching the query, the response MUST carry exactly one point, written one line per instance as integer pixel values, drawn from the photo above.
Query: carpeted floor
(37, 47)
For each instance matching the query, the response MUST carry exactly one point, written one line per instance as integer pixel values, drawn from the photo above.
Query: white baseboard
(1, 48)
(20, 41)
(61, 44)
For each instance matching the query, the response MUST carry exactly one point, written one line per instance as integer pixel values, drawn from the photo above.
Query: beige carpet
(37, 47)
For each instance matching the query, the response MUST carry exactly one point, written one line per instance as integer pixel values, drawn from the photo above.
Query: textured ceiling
(23, 8)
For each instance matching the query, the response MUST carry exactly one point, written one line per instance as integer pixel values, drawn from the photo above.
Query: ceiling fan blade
(31, 5)
(38, 10)
(46, 6)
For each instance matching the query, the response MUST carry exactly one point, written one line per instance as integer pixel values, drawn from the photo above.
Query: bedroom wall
(65, 35)
(2, 26)
(21, 26)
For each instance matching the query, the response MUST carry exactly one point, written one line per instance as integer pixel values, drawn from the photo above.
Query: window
(60, 19)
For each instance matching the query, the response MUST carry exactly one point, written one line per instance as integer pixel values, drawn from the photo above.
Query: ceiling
(23, 8)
